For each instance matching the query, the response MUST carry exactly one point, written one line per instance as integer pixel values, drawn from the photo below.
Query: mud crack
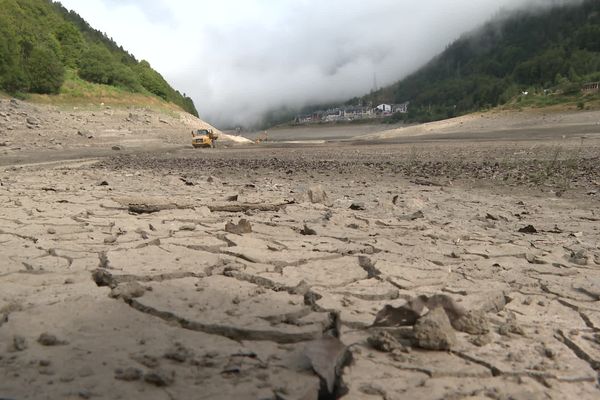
(578, 351)
(234, 333)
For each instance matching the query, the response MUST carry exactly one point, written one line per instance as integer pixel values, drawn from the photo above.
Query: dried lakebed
(246, 275)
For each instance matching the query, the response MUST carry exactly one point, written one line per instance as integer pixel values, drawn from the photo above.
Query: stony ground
(40, 132)
(396, 272)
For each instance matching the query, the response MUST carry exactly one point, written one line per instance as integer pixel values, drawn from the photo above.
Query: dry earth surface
(433, 270)
(502, 124)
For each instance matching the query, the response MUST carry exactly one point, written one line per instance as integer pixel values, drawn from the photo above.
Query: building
(384, 108)
(591, 87)
(401, 108)
(352, 113)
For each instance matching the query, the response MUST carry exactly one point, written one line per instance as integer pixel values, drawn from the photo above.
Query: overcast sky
(240, 58)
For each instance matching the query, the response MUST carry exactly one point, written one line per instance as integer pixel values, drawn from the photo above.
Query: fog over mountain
(240, 58)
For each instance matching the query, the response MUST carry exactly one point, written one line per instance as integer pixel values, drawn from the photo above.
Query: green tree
(39, 39)
(72, 44)
(46, 71)
(152, 80)
(12, 76)
(97, 65)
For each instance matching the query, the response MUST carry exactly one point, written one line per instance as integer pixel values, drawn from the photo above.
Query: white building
(386, 108)
(401, 108)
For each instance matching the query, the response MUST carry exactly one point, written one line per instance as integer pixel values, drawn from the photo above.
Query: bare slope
(27, 127)
(525, 124)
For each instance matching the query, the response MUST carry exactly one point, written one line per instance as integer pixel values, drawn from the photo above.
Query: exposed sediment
(430, 289)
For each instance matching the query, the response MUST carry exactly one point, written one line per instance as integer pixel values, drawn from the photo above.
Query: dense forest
(41, 41)
(549, 52)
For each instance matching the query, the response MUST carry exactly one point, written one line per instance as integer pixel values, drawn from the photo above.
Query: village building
(401, 108)
(384, 108)
(352, 113)
(591, 87)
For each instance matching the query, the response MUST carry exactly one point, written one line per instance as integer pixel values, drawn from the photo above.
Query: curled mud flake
(328, 356)
(240, 228)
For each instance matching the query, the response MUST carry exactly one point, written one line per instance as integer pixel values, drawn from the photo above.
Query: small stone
(316, 194)
(530, 229)
(160, 378)
(356, 206)
(579, 257)
(384, 342)
(533, 259)
(117, 148)
(415, 216)
(550, 353)
(188, 227)
(19, 343)
(306, 231)
(110, 240)
(128, 374)
(481, 341)
(473, 323)
(128, 291)
(33, 121)
(434, 332)
(511, 326)
(371, 389)
(47, 339)
(51, 231)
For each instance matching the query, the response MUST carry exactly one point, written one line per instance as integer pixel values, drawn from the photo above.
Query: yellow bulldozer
(204, 138)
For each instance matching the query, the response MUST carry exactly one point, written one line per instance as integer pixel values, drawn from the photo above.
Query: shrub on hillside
(40, 40)
(98, 65)
(72, 44)
(45, 70)
(152, 81)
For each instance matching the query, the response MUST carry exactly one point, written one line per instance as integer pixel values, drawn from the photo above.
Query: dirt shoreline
(130, 274)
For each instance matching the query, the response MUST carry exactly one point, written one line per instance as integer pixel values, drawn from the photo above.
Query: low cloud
(241, 58)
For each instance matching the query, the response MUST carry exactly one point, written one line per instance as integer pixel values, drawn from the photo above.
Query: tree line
(40, 40)
(556, 50)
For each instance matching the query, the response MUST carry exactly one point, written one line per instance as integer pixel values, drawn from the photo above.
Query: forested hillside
(549, 53)
(42, 45)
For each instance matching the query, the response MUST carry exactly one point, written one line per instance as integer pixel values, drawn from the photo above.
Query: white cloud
(240, 58)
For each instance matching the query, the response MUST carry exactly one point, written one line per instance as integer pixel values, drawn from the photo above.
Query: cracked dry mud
(164, 302)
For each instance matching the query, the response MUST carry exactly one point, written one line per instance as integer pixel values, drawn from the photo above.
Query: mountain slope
(43, 46)
(549, 53)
